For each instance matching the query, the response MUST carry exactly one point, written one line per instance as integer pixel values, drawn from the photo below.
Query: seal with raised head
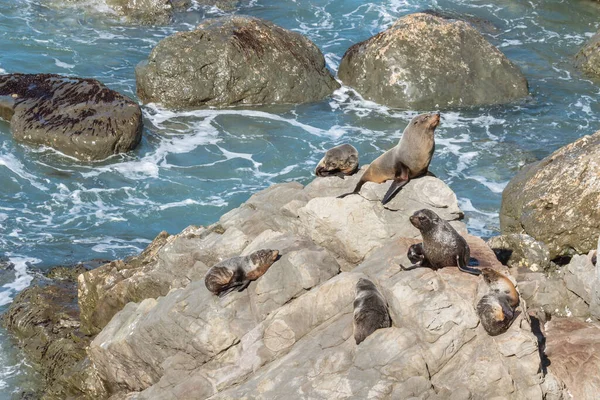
(237, 272)
(409, 159)
(338, 161)
(496, 309)
(370, 310)
(442, 246)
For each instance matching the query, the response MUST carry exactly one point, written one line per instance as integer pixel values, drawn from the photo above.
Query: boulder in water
(556, 201)
(234, 61)
(81, 118)
(426, 62)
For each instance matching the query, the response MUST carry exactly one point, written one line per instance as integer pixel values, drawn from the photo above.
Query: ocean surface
(193, 166)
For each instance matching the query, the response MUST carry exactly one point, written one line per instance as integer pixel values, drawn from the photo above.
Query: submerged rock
(427, 62)
(234, 60)
(557, 200)
(78, 117)
(588, 58)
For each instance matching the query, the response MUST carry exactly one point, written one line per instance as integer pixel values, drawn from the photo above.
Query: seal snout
(435, 120)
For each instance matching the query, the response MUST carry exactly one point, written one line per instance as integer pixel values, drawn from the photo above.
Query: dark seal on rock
(370, 310)
(409, 159)
(238, 272)
(442, 246)
(234, 60)
(81, 118)
(338, 161)
(496, 309)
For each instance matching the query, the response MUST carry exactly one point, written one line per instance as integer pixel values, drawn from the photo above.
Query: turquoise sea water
(192, 167)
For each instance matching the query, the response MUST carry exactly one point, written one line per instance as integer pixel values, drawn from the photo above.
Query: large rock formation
(557, 200)
(425, 62)
(78, 117)
(233, 61)
(310, 212)
(588, 58)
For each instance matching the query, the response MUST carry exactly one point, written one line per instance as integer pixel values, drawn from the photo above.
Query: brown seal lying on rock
(442, 246)
(370, 310)
(496, 309)
(238, 272)
(409, 159)
(338, 161)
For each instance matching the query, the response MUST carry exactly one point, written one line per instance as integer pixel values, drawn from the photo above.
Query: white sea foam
(13, 164)
(495, 187)
(63, 64)
(22, 277)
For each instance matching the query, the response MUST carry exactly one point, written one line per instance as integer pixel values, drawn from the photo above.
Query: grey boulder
(557, 200)
(234, 60)
(588, 58)
(81, 118)
(427, 62)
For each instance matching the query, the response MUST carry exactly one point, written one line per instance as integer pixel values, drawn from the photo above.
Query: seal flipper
(460, 262)
(359, 185)
(230, 288)
(400, 180)
(244, 285)
(416, 254)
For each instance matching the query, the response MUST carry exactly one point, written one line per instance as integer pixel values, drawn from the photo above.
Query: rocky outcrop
(588, 58)
(556, 200)
(426, 62)
(309, 213)
(193, 342)
(234, 61)
(573, 347)
(45, 320)
(81, 118)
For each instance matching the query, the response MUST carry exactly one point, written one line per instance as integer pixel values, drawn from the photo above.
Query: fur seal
(409, 159)
(442, 246)
(370, 310)
(496, 309)
(338, 161)
(238, 272)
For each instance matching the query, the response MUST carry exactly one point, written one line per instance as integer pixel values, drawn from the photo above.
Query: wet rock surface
(588, 57)
(81, 118)
(556, 200)
(427, 62)
(234, 60)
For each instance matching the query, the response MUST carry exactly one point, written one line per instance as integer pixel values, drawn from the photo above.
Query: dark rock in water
(234, 60)
(143, 11)
(588, 58)
(45, 320)
(79, 117)
(426, 62)
(555, 201)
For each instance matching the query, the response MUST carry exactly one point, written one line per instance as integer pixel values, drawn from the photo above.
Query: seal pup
(338, 161)
(496, 309)
(238, 272)
(442, 246)
(409, 159)
(370, 310)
